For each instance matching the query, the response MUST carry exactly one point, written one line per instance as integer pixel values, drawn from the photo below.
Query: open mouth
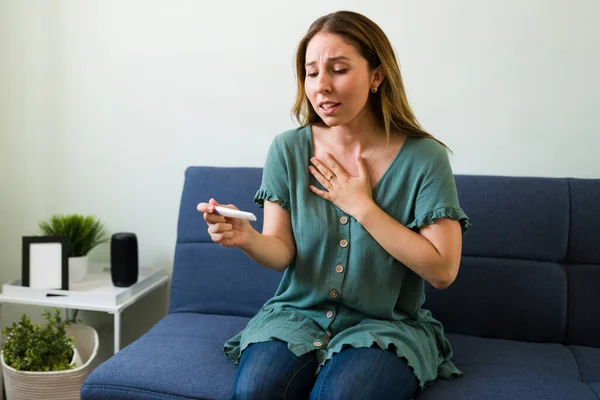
(329, 108)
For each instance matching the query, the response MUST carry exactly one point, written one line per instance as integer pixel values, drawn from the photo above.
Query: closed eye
(336, 72)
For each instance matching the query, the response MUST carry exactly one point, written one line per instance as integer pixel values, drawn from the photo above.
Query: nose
(323, 83)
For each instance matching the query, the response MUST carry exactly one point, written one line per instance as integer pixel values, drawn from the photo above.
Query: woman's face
(338, 79)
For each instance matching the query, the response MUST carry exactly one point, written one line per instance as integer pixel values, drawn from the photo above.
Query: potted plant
(31, 347)
(49, 361)
(83, 233)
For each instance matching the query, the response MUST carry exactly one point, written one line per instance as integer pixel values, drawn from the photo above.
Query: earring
(374, 90)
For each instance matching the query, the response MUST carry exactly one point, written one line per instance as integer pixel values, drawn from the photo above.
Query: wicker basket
(55, 385)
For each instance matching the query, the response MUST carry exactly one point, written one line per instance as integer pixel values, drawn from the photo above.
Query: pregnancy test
(228, 212)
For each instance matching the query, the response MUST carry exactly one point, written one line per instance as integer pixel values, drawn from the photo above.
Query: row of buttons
(343, 221)
(317, 343)
(328, 333)
(334, 293)
(339, 268)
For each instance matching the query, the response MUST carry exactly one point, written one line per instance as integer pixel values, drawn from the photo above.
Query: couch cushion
(180, 358)
(596, 388)
(503, 369)
(509, 213)
(583, 327)
(212, 279)
(588, 359)
(540, 358)
(585, 220)
(503, 298)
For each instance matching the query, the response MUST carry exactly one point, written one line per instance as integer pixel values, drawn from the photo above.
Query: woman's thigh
(269, 370)
(364, 373)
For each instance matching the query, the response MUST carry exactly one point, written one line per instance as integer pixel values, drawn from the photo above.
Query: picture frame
(45, 262)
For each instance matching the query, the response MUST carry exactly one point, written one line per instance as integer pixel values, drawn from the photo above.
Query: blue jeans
(270, 371)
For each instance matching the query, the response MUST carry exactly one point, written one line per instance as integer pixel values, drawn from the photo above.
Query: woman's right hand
(229, 232)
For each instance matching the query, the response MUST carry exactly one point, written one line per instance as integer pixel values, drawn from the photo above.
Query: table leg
(117, 331)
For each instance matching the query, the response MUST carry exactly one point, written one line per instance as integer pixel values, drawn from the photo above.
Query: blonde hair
(390, 105)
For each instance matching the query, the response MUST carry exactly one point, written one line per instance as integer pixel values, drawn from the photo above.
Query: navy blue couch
(523, 315)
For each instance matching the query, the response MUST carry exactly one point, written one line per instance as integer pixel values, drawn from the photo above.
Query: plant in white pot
(50, 361)
(31, 347)
(83, 232)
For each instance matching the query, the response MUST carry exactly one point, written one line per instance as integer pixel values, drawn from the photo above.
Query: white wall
(103, 104)
(24, 115)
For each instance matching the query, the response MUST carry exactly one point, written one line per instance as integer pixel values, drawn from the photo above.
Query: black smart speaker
(124, 259)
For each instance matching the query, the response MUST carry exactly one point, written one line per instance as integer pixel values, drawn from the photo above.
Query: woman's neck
(359, 136)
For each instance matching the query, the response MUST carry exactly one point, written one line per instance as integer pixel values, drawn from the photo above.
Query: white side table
(95, 293)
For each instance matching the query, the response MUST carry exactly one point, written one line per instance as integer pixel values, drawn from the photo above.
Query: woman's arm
(433, 253)
(275, 247)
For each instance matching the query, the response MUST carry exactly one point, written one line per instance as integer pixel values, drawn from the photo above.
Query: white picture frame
(45, 262)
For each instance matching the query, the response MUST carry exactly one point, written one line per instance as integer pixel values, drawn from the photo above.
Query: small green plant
(84, 233)
(31, 347)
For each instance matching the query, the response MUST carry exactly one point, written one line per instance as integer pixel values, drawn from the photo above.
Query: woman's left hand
(350, 194)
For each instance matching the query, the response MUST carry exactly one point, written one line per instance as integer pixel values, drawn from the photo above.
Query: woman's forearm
(269, 251)
(408, 247)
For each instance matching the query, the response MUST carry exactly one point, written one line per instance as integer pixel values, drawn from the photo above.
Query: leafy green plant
(84, 233)
(31, 347)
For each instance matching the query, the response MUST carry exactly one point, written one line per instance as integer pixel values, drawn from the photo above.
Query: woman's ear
(377, 77)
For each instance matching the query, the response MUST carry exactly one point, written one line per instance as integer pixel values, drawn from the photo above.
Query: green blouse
(343, 289)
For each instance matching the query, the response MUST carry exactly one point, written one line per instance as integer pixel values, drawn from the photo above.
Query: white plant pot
(78, 267)
(54, 385)
(77, 362)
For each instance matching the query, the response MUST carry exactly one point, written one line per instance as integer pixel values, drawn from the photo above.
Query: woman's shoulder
(426, 148)
(289, 147)
(420, 155)
(292, 137)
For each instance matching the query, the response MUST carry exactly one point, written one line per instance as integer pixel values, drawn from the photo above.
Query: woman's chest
(376, 161)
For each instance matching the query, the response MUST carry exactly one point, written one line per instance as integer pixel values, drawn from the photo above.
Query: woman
(360, 208)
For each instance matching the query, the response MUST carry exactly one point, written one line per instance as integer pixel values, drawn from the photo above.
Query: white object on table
(95, 293)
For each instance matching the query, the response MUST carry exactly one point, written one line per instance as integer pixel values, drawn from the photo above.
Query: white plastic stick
(228, 212)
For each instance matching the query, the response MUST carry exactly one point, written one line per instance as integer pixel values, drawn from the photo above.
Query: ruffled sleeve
(275, 179)
(437, 196)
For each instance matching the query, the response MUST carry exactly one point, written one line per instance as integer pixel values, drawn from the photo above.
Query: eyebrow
(329, 59)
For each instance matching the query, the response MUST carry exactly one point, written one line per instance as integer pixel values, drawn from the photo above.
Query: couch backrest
(530, 269)
(531, 262)
(207, 277)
